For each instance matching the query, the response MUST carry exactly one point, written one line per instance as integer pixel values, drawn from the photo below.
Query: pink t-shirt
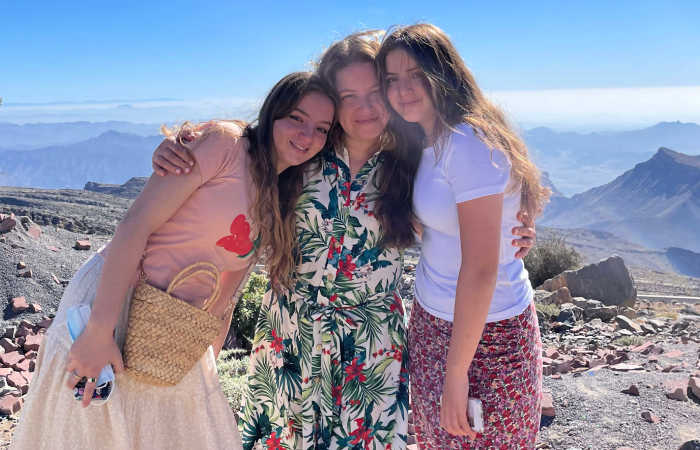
(212, 225)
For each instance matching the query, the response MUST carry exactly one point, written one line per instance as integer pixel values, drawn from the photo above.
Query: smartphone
(475, 414)
(76, 319)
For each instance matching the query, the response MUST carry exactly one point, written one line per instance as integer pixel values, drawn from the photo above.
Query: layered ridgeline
(656, 204)
(579, 161)
(111, 157)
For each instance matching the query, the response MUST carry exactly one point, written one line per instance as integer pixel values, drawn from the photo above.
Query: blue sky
(230, 53)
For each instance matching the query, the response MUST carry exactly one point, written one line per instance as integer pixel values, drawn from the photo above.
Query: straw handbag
(166, 336)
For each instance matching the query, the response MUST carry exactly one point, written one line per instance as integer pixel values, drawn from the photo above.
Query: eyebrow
(374, 86)
(412, 69)
(307, 115)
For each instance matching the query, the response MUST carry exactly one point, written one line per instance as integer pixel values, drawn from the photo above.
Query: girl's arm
(159, 200)
(479, 230)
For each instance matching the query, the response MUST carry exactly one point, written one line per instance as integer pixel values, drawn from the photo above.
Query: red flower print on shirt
(276, 343)
(362, 433)
(338, 395)
(346, 193)
(354, 370)
(239, 240)
(274, 442)
(346, 267)
(396, 305)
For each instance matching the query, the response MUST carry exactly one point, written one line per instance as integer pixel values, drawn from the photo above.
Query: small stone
(8, 345)
(35, 307)
(52, 248)
(33, 342)
(7, 224)
(55, 279)
(676, 390)
(694, 386)
(10, 404)
(645, 348)
(34, 231)
(82, 244)
(19, 304)
(26, 274)
(632, 390)
(5, 371)
(22, 366)
(626, 323)
(556, 376)
(548, 405)
(21, 265)
(649, 417)
(625, 367)
(16, 380)
(10, 332)
(45, 323)
(10, 359)
(674, 354)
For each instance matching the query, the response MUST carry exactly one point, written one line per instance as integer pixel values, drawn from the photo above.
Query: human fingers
(184, 157)
(165, 165)
(523, 242)
(89, 390)
(522, 252)
(524, 232)
(73, 377)
(525, 218)
(117, 362)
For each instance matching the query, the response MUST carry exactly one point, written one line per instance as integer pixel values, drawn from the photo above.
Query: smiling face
(302, 133)
(362, 112)
(406, 90)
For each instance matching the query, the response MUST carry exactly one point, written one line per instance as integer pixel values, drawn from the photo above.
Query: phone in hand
(475, 414)
(76, 319)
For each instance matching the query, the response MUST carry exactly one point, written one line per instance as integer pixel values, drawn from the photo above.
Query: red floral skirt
(506, 374)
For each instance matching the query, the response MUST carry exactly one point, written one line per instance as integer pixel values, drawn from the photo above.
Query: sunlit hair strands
(399, 142)
(276, 195)
(458, 99)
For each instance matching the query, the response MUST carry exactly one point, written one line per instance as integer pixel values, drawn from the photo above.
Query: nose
(305, 134)
(405, 86)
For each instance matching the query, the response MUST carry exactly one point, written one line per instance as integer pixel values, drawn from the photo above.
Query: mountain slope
(657, 204)
(111, 157)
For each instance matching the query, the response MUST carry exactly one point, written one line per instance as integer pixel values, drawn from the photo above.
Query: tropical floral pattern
(329, 362)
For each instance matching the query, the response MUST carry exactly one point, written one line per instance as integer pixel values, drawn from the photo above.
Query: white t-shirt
(466, 169)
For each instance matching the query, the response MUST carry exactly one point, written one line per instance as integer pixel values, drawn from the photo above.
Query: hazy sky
(564, 64)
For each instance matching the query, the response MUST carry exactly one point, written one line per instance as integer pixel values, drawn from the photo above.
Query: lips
(298, 147)
(409, 104)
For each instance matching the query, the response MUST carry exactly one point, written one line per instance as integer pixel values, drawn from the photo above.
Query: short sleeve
(473, 169)
(216, 151)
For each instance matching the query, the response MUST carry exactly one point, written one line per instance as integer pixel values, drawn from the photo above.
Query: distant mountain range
(577, 162)
(111, 157)
(656, 204)
(37, 135)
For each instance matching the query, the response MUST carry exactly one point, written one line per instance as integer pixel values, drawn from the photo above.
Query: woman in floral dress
(328, 364)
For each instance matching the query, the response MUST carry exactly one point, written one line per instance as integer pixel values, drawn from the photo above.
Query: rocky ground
(594, 350)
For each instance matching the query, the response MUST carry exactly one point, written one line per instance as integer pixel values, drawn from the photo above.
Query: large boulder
(608, 281)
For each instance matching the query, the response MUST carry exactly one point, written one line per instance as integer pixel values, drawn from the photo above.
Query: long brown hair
(275, 195)
(399, 143)
(458, 99)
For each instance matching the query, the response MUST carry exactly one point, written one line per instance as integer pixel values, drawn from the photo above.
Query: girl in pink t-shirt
(222, 211)
(473, 329)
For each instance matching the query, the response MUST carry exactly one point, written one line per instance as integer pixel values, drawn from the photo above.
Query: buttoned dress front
(328, 367)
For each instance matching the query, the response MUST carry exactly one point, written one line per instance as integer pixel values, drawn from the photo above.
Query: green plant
(626, 341)
(245, 315)
(232, 366)
(549, 258)
(549, 310)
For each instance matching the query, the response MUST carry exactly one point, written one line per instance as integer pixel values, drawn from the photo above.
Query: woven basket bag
(166, 336)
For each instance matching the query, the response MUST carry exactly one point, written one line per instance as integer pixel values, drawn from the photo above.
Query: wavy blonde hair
(458, 99)
(275, 195)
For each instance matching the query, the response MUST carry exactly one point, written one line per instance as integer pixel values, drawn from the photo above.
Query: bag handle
(201, 267)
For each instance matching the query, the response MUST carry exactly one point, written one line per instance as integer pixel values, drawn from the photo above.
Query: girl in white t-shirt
(473, 330)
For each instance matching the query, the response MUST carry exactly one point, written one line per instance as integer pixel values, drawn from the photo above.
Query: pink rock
(10, 359)
(551, 353)
(28, 375)
(52, 248)
(548, 405)
(19, 304)
(22, 366)
(82, 244)
(676, 390)
(644, 348)
(44, 323)
(5, 371)
(26, 274)
(34, 231)
(33, 342)
(674, 354)
(35, 307)
(9, 404)
(650, 417)
(8, 345)
(16, 380)
(7, 224)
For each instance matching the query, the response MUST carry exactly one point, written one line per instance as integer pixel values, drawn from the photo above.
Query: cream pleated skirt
(191, 415)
